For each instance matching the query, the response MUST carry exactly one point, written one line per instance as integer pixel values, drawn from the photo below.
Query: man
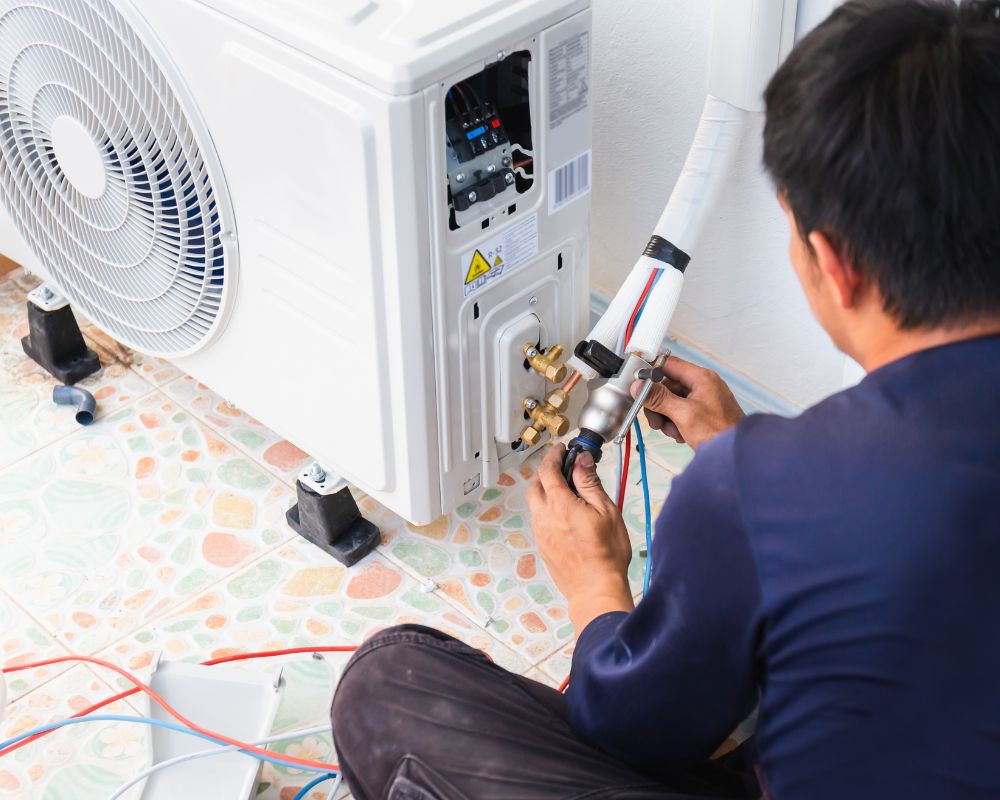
(840, 570)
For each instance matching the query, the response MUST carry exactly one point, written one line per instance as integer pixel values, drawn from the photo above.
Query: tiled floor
(159, 533)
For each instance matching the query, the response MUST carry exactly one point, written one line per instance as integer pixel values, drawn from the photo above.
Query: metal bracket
(47, 299)
(320, 482)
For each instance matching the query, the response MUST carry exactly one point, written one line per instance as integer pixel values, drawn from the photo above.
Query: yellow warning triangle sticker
(498, 262)
(479, 267)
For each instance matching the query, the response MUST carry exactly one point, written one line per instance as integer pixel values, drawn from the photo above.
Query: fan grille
(150, 258)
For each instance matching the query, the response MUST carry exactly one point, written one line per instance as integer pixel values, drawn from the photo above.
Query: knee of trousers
(378, 681)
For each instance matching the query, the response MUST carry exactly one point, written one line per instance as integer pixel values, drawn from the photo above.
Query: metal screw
(530, 404)
(317, 473)
(460, 177)
(506, 161)
(533, 302)
(509, 177)
(491, 168)
(531, 352)
(488, 621)
(473, 197)
(47, 293)
(501, 55)
(430, 585)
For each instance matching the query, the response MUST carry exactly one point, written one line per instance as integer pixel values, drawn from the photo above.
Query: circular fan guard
(152, 258)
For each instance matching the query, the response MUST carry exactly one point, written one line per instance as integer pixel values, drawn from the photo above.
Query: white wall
(741, 303)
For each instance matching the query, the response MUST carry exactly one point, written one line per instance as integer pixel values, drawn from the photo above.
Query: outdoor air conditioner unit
(345, 216)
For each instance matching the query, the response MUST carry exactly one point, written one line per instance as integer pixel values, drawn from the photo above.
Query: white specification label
(503, 253)
(569, 182)
(569, 78)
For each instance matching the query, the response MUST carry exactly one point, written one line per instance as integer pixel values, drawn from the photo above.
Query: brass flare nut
(558, 400)
(544, 417)
(546, 364)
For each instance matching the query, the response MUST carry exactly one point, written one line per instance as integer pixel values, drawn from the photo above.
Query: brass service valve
(543, 417)
(546, 364)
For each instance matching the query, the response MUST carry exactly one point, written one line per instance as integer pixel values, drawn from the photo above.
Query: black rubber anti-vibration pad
(334, 524)
(55, 343)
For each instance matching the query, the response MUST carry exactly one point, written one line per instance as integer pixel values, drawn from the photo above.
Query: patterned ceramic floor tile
(267, 447)
(121, 521)
(83, 762)
(23, 641)
(557, 666)
(482, 556)
(297, 596)
(665, 451)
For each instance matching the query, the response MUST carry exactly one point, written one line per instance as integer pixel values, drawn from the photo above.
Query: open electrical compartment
(489, 143)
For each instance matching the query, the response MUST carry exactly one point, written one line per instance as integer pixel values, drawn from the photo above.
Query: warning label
(500, 255)
(569, 78)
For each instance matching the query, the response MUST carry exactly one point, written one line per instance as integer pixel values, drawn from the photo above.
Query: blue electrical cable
(640, 447)
(313, 784)
(159, 723)
(656, 280)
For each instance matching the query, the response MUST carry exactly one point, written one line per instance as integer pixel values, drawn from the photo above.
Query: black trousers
(419, 716)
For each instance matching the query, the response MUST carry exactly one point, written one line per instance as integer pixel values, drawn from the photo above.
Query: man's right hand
(692, 405)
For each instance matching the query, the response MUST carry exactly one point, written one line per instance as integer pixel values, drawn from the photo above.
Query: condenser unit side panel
(305, 347)
(515, 266)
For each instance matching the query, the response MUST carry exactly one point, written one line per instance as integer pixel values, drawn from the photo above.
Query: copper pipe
(570, 385)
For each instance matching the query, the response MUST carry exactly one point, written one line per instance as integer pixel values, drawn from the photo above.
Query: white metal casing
(349, 332)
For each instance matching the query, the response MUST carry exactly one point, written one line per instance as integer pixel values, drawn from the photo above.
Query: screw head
(533, 302)
(491, 168)
(531, 352)
(501, 55)
(473, 197)
(530, 404)
(460, 177)
(509, 178)
(47, 293)
(506, 161)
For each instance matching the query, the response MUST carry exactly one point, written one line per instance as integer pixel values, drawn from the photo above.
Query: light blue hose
(640, 447)
(313, 784)
(159, 723)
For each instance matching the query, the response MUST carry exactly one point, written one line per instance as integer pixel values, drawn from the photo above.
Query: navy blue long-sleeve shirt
(843, 570)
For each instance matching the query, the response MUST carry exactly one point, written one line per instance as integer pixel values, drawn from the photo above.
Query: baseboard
(752, 395)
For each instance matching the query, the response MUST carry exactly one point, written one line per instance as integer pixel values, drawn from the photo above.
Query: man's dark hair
(883, 132)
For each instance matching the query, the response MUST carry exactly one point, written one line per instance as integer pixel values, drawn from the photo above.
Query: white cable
(215, 751)
(336, 785)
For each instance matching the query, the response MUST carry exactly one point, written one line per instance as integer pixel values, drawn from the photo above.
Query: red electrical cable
(141, 687)
(625, 463)
(564, 684)
(635, 312)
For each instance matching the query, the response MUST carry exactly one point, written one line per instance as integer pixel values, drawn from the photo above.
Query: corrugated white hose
(708, 165)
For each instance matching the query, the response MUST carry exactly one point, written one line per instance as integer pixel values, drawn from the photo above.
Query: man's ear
(845, 281)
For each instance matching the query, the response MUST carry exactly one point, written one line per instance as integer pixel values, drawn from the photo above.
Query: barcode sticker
(569, 182)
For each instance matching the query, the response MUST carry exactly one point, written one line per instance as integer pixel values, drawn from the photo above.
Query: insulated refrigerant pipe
(708, 166)
(675, 236)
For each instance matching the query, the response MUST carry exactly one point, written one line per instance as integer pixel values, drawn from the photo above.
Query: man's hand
(692, 405)
(582, 539)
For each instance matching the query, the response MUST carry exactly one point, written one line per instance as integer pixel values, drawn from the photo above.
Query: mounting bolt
(509, 178)
(531, 352)
(473, 197)
(530, 404)
(46, 293)
(460, 177)
(317, 473)
(533, 302)
(491, 168)
(506, 161)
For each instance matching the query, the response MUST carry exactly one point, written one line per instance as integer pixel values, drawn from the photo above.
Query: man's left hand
(582, 540)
